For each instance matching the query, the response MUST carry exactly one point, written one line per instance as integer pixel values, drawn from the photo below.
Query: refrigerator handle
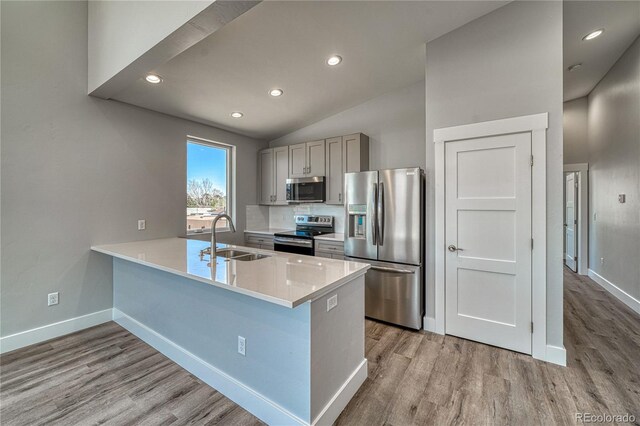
(380, 214)
(373, 210)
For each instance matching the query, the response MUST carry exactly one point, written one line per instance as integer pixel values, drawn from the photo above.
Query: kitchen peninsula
(281, 335)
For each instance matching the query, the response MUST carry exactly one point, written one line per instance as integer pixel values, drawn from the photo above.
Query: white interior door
(488, 234)
(570, 220)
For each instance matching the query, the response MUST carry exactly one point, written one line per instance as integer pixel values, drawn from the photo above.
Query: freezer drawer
(394, 293)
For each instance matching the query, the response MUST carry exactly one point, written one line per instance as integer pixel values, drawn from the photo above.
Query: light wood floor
(106, 375)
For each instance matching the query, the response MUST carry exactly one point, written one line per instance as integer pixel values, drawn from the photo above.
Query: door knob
(453, 248)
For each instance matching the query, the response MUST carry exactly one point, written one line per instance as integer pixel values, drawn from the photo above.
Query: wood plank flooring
(106, 375)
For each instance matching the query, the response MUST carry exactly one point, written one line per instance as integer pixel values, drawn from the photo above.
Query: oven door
(293, 245)
(306, 190)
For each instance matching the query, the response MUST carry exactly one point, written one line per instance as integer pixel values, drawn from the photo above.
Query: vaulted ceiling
(621, 23)
(285, 44)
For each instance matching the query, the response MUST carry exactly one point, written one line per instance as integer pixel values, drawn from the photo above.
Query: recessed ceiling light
(276, 92)
(237, 114)
(574, 67)
(153, 78)
(593, 34)
(334, 60)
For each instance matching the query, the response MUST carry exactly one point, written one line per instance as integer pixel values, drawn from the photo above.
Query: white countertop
(266, 231)
(283, 278)
(336, 238)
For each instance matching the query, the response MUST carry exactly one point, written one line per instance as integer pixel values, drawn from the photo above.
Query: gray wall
(574, 131)
(78, 171)
(503, 65)
(394, 123)
(614, 168)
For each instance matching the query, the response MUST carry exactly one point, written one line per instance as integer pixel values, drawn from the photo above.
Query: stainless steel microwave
(306, 190)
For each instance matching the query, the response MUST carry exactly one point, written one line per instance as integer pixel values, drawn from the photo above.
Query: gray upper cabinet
(344, 154)
(298, 160)
(265, 163)
(306, 159)
(355, 153)
(274, 167)
(334, 178)
(281, 173)
(315, 158)
(331, 158)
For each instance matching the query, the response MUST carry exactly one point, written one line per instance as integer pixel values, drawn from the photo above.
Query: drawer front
(321, 254)
(329, 247)
(259, 239)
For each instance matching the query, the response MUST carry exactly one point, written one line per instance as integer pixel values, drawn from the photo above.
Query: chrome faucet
(213, 232)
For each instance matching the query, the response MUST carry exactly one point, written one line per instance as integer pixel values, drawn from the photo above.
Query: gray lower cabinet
(259, 241)
(329, 249)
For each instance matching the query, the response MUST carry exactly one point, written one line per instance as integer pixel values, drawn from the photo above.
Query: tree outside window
(208, 184)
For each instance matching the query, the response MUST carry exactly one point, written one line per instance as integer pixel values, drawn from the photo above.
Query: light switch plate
(142, 224)
(622, 198)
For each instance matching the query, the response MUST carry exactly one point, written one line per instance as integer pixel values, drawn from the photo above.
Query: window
(209, 183)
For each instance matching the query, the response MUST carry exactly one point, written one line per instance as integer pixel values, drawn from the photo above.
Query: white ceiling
(285, 45)
(621, 22)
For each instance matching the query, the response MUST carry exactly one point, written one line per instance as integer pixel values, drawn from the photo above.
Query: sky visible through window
(206, 185)
(207, 162)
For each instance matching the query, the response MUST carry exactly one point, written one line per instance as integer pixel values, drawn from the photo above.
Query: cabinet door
(297, 160)
(334, 168)
(355, 153)
(281, 172)
(266, 176)
(315, 158)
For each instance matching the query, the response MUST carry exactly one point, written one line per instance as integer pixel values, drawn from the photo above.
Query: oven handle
(293, 242)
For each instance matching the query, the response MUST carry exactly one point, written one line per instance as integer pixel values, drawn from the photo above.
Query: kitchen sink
(241, 255)
(250, 256)
(231, 253)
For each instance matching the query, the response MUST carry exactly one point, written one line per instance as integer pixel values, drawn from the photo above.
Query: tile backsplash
(282, 216)
(257, 217)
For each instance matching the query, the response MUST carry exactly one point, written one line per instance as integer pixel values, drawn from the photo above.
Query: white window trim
(537, 125)
(231, 180)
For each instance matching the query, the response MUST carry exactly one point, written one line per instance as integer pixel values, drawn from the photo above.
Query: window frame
(231, 180)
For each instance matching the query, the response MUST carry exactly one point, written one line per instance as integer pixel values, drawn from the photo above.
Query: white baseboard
(51, 331)
(249, 399)
(619, 294)
(334, 407)
(556, 355)
(429, 324)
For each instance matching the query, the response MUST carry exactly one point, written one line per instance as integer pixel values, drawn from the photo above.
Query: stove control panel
(314, 220)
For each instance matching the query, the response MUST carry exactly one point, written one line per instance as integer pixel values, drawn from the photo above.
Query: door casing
(582, 169)
(537, 124)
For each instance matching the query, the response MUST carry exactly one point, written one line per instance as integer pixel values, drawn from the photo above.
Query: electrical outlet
(601, 261)
(142, 224)
(242, 345)
(622, 198)
(332, 302)
(52, 299)
(595, 217)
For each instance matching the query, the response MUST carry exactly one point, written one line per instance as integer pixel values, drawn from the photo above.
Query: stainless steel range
(301, 240)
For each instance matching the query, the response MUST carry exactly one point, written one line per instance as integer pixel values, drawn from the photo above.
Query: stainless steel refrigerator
(385, 227)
